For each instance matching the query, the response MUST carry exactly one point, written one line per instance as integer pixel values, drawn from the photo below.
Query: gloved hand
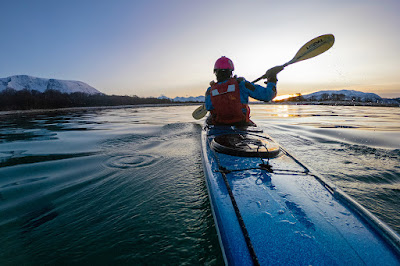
(271, 73)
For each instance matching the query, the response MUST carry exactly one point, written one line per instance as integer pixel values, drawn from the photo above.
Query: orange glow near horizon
(284, 97)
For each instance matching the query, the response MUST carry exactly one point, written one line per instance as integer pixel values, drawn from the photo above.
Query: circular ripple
(131, 161)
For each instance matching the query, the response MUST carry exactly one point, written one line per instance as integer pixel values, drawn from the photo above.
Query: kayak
(269, 208)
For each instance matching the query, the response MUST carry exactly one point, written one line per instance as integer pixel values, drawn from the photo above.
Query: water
(125, 186)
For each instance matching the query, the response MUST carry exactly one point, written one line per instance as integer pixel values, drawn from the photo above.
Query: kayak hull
(276, 211)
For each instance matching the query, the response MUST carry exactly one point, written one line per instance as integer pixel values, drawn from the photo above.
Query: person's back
(228, 98)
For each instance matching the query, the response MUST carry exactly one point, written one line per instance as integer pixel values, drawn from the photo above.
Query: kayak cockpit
(245, 145)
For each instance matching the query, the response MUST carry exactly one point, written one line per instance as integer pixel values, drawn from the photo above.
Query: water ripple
(131, 161)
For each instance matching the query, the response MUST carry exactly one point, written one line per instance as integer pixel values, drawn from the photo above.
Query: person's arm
(263, 93)
(208, 103)
(257, 92)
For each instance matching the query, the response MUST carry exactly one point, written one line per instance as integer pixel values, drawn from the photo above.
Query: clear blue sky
(154, 47)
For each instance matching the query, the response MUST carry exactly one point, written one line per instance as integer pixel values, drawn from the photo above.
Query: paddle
(309, 50)
(200, 112)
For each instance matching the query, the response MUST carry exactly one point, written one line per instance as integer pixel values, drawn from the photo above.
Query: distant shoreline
(336, 103)
(33, 111)
(331, 103)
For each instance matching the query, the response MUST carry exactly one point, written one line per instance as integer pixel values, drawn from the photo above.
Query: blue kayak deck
(290, 216)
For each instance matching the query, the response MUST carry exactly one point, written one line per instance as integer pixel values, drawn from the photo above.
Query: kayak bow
(269, 208)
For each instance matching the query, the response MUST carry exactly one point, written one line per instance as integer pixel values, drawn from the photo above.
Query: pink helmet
(224, 63)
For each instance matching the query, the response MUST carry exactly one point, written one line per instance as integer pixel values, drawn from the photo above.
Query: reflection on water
(125, 186)
(365, 118)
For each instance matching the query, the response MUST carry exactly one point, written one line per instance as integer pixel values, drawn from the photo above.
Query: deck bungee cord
(264, 165)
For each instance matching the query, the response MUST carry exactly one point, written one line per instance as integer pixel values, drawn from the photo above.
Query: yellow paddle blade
(200, 112)
(313, 48)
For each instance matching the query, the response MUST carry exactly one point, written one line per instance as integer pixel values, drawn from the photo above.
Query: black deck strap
(245, 233)
(241, 222)
(224, 170)
(297, 161)
(267, 167)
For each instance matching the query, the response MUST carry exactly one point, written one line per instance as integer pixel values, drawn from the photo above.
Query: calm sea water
(125, 186)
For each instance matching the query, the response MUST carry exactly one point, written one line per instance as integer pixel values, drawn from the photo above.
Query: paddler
(228, 98)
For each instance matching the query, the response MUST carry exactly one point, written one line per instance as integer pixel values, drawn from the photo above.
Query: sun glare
(284, 97)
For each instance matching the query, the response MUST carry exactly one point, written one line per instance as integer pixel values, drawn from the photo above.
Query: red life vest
(225, 98)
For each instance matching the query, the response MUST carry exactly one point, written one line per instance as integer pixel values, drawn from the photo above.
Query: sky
(150, 48)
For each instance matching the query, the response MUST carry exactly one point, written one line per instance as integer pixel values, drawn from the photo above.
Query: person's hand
(271, 73)
(274, 71)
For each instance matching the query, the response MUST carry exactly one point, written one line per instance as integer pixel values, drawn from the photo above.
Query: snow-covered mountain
(343, 95)
(20, 82)
(184, 99)
(189, 99)
(326, 95)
